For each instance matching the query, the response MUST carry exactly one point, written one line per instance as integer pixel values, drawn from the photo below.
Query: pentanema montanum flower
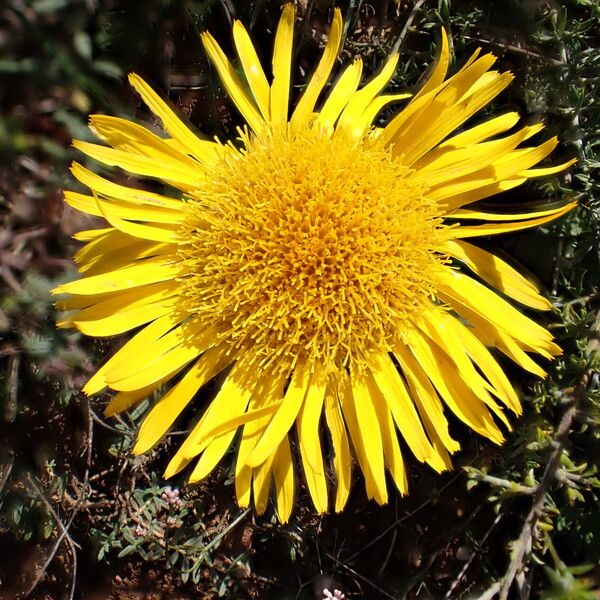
(321, 266)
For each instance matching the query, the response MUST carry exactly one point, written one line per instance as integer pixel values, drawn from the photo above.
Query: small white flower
(140, 531)
(171, 496)
(171, 522)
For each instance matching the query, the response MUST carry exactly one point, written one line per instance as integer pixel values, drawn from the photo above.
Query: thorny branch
(64, 535)
(522, 545)
(469, 561)
(64, 527)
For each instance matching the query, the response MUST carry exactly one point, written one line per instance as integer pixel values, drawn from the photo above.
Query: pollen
(306, 246)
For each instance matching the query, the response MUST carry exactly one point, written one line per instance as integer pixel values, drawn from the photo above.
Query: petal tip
(140, 447)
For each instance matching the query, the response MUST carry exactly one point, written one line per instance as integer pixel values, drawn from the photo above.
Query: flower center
(306, 246)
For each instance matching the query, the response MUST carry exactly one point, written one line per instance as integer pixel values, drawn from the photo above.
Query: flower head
(320, 264)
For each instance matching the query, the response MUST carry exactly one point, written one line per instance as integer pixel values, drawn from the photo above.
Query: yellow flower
(320, 265)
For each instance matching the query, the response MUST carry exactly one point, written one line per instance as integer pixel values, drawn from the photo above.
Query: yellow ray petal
(131, 137)
(389, 438)
(485, 184)
(396, 396)
(261, 484)
(157, 232)
(235, 88)
(286, 415)
(168, 354)
(442, 338)
(121, 209)
(486, 363)
(119, 258)
(421, 101)
(226, 411)
(151, 270)
(91, 308)
(285, 481)
(268, 394)
(493, 335)
(125, 400)
(80, 302)
(441, 442)
(163, 415)
(261, 415)
(169, 171)
(497, 273)
(403, 119)
(369, 431)
(106, 240)
(342, 460)
(441, 68)
(514, 351)
(414, 147)
(462, 192)
(478, 297)
(177, 145)
(460, 85)
(311, 453)
(441, 101)
(211, 456)
(503, 174)
(493, 309)
(89, 235)
(306, 104)
(468, 231)
(480, 83)
(244, 473)
(545, 171)
(512, 165)
(176, 465)
(203, 150)
(252, 68)
(458, 163)
(282, 65)
(439, 460)
(469, 214)
(231, 400)
(362, 99)
(478, 133)
(121, 192)
(134, 347)
(425, 395)
(459, 398)
(125, 319)
(348, 404)
(340, 94)
(363, 123)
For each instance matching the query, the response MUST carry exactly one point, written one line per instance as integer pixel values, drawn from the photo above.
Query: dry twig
(522, 545)
(64, 535)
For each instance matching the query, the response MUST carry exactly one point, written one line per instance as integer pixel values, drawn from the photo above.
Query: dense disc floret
(321, 265)
(301, 246)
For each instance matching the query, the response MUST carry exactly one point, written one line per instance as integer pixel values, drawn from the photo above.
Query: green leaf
(126, 551)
